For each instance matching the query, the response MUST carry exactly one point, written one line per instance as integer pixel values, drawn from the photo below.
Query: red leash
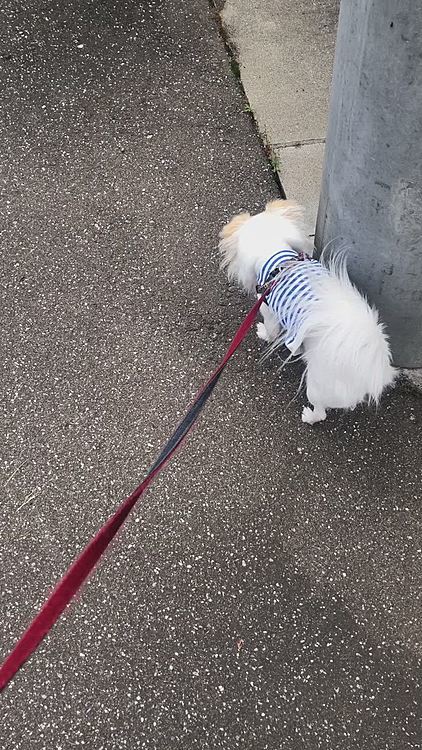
(78, 572)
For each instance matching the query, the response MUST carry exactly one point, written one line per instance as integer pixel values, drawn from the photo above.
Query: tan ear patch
(234, 225)
(288, 208)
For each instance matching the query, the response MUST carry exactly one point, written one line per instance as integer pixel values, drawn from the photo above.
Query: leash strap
(80, 569)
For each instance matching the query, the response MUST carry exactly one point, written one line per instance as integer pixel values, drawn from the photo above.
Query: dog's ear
(234, 225)
(287, 208)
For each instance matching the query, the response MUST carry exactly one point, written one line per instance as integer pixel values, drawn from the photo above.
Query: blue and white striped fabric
(293, 294)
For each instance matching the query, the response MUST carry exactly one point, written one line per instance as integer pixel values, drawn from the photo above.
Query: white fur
(345, 349)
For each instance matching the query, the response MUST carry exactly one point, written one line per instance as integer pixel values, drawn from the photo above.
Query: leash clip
(262, 288)
(303, 256)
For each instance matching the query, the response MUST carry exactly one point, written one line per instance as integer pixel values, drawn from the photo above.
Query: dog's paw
(307, 415)
(261, 332)
(311, 416)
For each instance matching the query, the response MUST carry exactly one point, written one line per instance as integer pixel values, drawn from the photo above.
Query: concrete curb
(287, 47)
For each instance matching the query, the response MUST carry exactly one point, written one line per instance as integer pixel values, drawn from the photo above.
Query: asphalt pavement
(265, 594)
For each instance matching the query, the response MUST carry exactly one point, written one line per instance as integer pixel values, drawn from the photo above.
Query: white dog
(312, 308)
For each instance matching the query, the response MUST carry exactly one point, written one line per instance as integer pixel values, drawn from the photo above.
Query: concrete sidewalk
(285, 51)
(266, 593)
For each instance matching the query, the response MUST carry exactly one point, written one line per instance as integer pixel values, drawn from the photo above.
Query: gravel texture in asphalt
(266, 592)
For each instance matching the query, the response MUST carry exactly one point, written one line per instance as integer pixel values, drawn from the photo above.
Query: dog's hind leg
(311, 416)
(318, 413)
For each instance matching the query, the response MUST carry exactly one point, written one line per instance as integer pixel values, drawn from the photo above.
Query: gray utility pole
(371, 196)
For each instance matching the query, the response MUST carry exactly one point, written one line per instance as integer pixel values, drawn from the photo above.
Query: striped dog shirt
(292, 295)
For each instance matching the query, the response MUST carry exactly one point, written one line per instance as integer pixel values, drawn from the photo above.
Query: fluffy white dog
(312, 308)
